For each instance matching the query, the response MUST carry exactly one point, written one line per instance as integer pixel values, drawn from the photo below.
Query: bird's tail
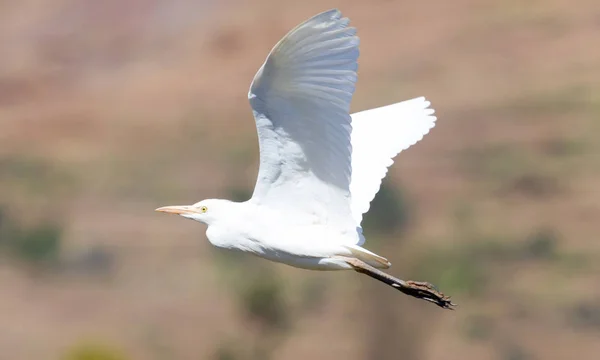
(376, 261)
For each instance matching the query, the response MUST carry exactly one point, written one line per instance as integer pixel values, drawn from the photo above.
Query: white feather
(301, 100)
(314, 157)
(378, 135)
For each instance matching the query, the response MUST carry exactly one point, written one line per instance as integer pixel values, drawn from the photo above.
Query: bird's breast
(231, 237)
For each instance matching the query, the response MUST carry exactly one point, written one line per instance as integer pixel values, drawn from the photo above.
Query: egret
(320, 166)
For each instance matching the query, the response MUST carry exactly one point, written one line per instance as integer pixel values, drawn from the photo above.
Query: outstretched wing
(379, 135)
(301, 99)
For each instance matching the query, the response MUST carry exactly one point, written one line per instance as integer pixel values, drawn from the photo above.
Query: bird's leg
(420, 290)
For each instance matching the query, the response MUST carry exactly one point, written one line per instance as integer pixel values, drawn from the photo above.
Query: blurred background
(109, 109)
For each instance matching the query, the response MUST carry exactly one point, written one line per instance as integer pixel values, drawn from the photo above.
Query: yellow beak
(178, 210)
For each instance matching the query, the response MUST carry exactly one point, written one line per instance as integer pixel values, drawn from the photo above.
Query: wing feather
(315, 158)
(378, 136)
(301, 99)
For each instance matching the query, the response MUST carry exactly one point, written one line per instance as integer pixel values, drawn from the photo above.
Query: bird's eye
(204, 209)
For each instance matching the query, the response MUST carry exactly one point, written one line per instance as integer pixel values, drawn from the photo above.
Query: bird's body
(320, 166)
(282, 237)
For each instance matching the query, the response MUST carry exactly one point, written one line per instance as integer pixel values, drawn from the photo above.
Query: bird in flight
(320, 166)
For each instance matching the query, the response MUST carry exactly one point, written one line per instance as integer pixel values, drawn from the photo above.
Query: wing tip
(428, 110)
(332, 13)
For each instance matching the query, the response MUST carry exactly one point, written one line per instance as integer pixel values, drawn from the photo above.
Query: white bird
(320, 167)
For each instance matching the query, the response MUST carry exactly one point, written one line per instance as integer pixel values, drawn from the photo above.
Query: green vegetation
(227, 351)
(389, 212)
(585, 315)
(35, 176)
(513, 352)
(457, 271)
(239, 194)
(94, 352)
(564, 148)
(38, 244)
(468, 267)
(541, 245)
(262, 300)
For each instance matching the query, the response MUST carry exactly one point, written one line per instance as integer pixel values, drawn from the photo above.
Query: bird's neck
(233, 228)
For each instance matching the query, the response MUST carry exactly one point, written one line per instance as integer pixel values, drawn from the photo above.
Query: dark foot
(420, 290)
(425, 291)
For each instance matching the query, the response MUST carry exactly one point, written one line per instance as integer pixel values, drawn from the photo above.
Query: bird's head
(205, 211)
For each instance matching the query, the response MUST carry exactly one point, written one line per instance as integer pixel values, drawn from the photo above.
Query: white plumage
(378, 135)
(301, 101)
(320, 167)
